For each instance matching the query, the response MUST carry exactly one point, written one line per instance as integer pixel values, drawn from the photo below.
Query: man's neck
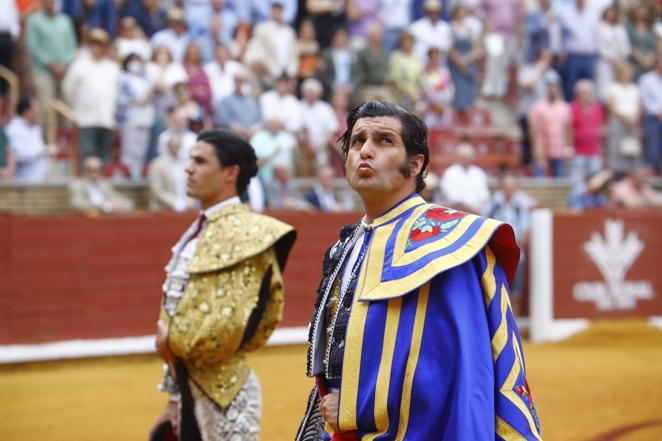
(378, 205)
(207, 204)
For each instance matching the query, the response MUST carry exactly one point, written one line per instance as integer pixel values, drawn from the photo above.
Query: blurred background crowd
(97, 92)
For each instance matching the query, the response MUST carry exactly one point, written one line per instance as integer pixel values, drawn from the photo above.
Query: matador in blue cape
(413, 328)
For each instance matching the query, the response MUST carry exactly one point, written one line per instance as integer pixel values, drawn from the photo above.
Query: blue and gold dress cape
(432, 350)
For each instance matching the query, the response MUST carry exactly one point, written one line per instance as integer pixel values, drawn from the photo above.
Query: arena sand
(603, 384)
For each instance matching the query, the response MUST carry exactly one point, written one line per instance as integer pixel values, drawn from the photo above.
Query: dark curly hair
(414, 133)
(230, 150)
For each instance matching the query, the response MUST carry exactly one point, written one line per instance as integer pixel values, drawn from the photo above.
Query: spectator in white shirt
(395, 16)
(430, 31)
(178, 126)
(91, 86)
(463, 184)
(174, 36)
(167, 179)
(650, 88)
(132, 40)
(280, 103)
(27, 145)
(221, 72)
(319, 123)
(613, 47)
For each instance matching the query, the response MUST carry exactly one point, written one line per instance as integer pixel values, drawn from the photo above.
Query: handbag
(630, 147)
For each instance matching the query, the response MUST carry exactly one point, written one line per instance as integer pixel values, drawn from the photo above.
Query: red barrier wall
(79, 277)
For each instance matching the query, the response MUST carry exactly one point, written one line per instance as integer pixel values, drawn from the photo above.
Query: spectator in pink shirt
(634, 191)
(197, 78)
(550, 126)
(587, 127)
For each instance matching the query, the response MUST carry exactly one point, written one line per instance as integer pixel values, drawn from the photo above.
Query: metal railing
(67, 142)
(12, 80)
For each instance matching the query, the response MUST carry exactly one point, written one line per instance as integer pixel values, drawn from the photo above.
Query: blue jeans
(556, 167)
(577, 67)
(653, 133)
(584, 166)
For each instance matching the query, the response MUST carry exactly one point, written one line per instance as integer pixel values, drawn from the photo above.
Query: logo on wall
(614, 254)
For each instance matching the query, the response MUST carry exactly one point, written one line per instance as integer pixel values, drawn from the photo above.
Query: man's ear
(416, 164)
(232, 173)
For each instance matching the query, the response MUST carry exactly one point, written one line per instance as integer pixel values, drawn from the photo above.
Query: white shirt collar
(214, 208)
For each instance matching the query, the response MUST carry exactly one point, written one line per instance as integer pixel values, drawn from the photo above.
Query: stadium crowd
(582, 79)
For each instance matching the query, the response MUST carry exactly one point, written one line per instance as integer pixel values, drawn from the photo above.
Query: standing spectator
(221, 20)
(464, 185)
(532, 88)
(183, 100)
(319, 124)
(26, 141)
(550, 128)
(623, 103)
(430, 31)
(650, 87)
(221, 73)
(174, 36)
(634, 191)
(327, 16)
(322, 197)
(149, 14)
(405, 73)
(240, 111)
(642, 38)
(280, 103)
(587, 124)
(258, 11)
(336, 63)
(370, 66)
(197, 79)
(10, 28)
(132, 40)
(51, 42)
(178, 127)
(502, 18)
(462, 59)
(308, 50)
(91, 87)
(7, 159)
(271, 52)
(541, 29)
(167, 179)
(273, 145)
(361, 14)
(135, 114)
(579, 23)
(613, 47)
(395, 16)
(92, 14)
(92, 194)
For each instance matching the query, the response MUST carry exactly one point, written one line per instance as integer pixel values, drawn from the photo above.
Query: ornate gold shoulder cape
(236, 270)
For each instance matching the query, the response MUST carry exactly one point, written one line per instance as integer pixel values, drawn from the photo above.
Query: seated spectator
(308, 50)
(167, 180)
(650, 85)
(322, 196)
(174, 36)
(91, 86)
(272, 52)
(550, 129)
(132, 40)
(511, 205)
(462, 57)
(178, 126)
(135, 114)
(405, 73)
(320, 125)
(438, 92)
(464, 185)
(335, 68)
(220, 72)
(634, 191)
(240, 111)
(273, 145)
(280, 103)
(91, 194)
(592, 192)
(370, 66)
(587, 129)
(181, 94)
(7, 160)
(430, 31)
(241, 37)
(26, 142)
(281, 194)
(624, 104)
